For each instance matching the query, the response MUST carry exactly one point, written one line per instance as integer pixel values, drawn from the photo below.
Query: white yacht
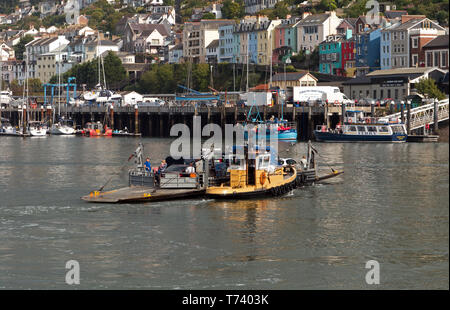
(5, 97)
(37, 129)
(63, 127)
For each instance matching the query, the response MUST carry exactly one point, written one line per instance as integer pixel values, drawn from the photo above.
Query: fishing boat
(37, 129)
(255, 174)
(284, 130)
(96, 130)
(273, 128)
(357, 128)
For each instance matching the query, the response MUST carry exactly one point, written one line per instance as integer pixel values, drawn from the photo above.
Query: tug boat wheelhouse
(256, 174)
(357, 128)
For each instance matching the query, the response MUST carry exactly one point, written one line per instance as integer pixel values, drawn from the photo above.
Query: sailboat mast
(59, 80)
(98, 56)
(248, 42)
(270, 50)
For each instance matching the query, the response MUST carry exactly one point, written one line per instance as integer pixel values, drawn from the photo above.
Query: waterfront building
(291, 79)
(394, 84)
(437, 52)
(401, 40)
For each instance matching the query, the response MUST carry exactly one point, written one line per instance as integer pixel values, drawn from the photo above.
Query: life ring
(262, 178)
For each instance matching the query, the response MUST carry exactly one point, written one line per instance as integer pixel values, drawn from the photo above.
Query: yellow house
(265, 40)
(292, 79)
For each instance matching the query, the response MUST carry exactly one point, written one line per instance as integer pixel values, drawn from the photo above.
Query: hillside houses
(343, 47)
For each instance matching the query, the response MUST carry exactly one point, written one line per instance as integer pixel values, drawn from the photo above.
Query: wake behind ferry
(357, 128)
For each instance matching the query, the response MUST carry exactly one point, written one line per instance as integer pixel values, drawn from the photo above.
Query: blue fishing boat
(357, 128)
(282, 129)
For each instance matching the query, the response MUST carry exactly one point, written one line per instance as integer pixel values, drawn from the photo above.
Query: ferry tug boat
(357, 128)
(255, 174)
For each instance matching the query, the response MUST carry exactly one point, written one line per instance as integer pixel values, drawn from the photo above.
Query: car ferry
(357, 128)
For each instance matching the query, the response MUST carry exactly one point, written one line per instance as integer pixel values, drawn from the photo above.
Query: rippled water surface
(390, 205)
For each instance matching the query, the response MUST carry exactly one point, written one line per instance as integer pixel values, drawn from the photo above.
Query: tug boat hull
(268, 188)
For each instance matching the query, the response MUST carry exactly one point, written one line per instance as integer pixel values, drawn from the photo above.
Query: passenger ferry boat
(357, 128)
(254, 175)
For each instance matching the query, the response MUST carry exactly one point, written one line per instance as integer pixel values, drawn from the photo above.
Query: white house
(52, 29)
(86, 31)
(32, 31)
(314, 29)
(6, 52)
(175, 54)
(131, 98)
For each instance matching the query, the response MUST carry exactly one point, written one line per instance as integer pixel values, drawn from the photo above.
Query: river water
(391, 205)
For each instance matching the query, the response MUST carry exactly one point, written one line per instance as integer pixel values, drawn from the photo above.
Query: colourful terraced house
(330, 52)
(285, 41)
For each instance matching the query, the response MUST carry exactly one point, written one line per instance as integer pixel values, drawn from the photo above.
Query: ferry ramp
(423, 115)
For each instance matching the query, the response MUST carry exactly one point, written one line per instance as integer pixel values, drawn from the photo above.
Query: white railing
(424, 114)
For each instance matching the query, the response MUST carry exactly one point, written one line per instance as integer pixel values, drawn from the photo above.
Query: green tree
(233, 9)
(280, 10)
(209, 15)
(200, 76)
(54, 20)
(19, 48)
(328, 5)
(357, 9)
(429, 89)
